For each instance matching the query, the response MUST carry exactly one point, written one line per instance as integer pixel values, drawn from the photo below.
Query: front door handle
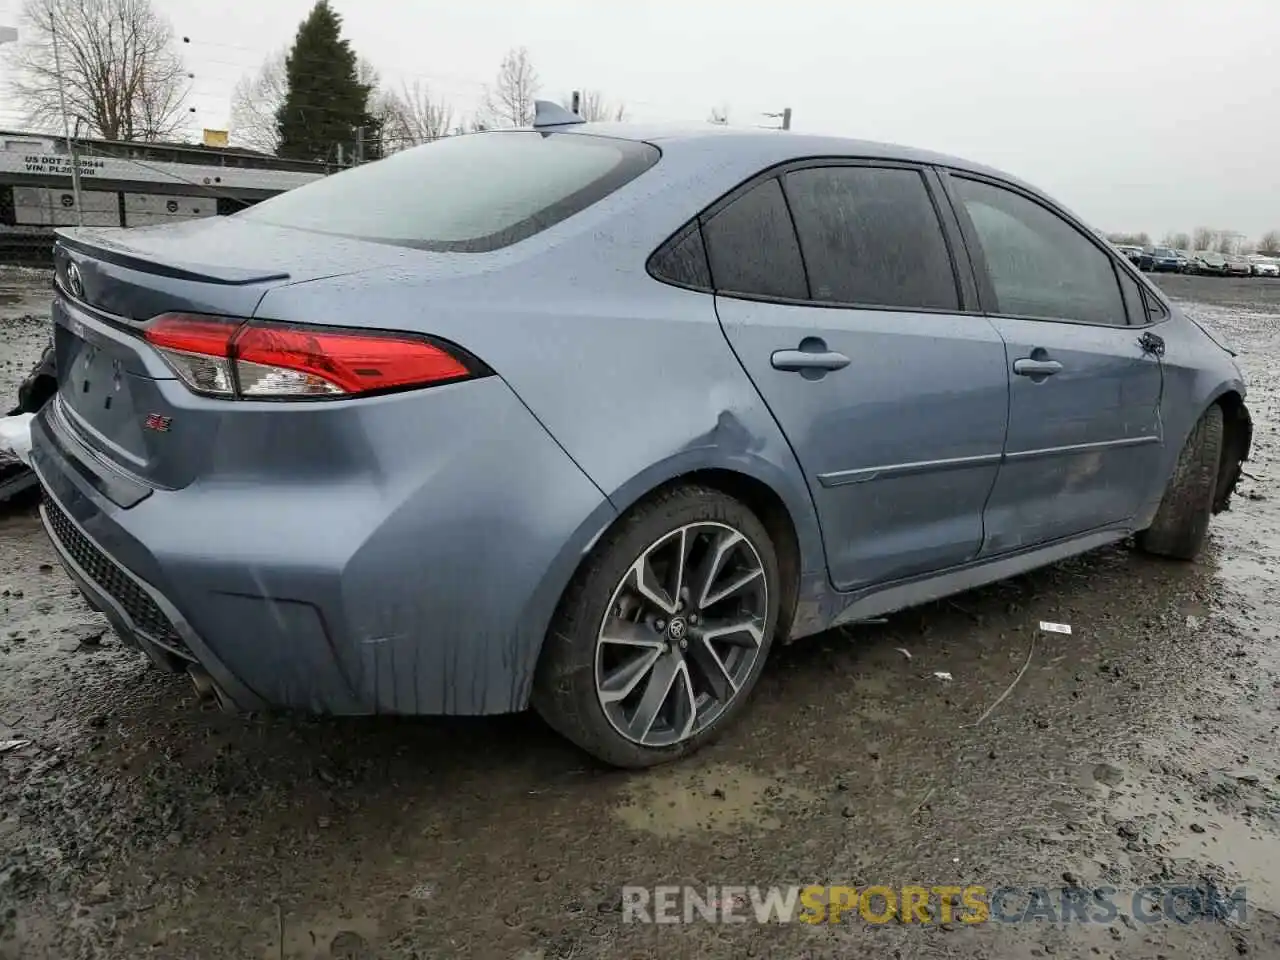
(1026, 367)
(813, 360)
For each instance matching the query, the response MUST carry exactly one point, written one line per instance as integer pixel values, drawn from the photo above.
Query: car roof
(772, 146)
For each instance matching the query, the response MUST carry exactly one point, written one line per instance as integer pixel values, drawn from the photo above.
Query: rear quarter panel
(632, 377)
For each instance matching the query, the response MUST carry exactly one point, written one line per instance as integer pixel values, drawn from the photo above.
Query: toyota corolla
(589, 418)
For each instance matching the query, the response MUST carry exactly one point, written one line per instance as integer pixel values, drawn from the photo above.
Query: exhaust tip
(208, 691)
(203, 683)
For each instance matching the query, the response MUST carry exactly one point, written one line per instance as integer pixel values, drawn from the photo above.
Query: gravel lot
(1140, 749)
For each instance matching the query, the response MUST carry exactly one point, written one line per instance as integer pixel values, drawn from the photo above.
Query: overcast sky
(1138, 115)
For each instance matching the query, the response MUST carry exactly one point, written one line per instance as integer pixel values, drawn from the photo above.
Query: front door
(1084, 397)
(894, 398)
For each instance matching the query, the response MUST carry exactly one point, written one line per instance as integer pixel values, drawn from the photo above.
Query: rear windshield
(467, 193)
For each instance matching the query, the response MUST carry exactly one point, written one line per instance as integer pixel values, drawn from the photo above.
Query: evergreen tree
(325, 103)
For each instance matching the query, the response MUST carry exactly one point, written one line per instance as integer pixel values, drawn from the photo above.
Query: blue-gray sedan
(588, 417)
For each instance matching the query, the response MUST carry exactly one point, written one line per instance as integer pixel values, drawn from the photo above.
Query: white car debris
(15, 437)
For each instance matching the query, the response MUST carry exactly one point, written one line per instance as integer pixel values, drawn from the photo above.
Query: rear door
(836, 288)
(1084, 397)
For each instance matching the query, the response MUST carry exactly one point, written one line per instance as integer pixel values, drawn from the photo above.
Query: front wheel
(661, 637)
(1182, 520)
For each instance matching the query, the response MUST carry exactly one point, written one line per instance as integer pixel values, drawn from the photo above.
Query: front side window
(752, 247)
(462, 194)
(1039, 264)
(871, 236)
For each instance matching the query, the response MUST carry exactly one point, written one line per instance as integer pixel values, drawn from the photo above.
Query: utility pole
(66, 124)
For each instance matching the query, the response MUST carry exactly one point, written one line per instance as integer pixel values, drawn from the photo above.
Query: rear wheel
(660, 639)
(1182, 521)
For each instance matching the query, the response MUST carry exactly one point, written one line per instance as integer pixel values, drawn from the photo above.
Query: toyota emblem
(75, 284)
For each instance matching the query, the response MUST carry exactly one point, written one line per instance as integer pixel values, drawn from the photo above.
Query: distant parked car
(1189, 262)
(1138, 257)
(1238, 266)
(1210, 262)
(1164, 260)
(1266, 267)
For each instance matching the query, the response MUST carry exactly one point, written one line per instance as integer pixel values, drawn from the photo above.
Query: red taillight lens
(268, 360)
(320, 361)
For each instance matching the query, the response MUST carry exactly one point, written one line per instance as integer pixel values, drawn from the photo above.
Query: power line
(434, 81)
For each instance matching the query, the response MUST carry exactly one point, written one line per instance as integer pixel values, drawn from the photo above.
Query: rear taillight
(263, 360)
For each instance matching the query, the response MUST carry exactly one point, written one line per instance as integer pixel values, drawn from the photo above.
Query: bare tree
(509, 103)
(1227, 241)
(1270, 242)
(593, 107)
(1202, 238)
(1181, 241)
(1130, 239)
(255, 103)
(122, 76)
(414, 116)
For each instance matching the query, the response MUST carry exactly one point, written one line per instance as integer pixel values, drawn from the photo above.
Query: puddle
(716, 799)
(1191, 831)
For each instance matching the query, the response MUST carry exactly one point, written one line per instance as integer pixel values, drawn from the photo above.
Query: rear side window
(752, 247)
(1156, 310)
(466, 194)
(1039, 264)
(871, 236)
(682, 260)
(1134, 303)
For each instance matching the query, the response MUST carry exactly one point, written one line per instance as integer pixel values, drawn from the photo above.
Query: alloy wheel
(682, 633)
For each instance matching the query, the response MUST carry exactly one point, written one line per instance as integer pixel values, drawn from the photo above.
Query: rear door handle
(1026, 367)
(797, 360)
(813, 359)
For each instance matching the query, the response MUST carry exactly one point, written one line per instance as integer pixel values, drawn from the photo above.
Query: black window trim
(986, 291)
(967, 292)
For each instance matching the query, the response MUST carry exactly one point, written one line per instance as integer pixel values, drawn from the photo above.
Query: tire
(576, 674)
(1182, 520)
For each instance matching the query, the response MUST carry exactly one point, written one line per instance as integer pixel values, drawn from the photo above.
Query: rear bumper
(140, 615)
(426, 590)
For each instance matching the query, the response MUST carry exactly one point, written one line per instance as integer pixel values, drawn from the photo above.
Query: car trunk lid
(116, 395)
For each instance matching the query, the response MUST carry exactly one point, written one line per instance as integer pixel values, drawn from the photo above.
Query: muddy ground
(1140, 749)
